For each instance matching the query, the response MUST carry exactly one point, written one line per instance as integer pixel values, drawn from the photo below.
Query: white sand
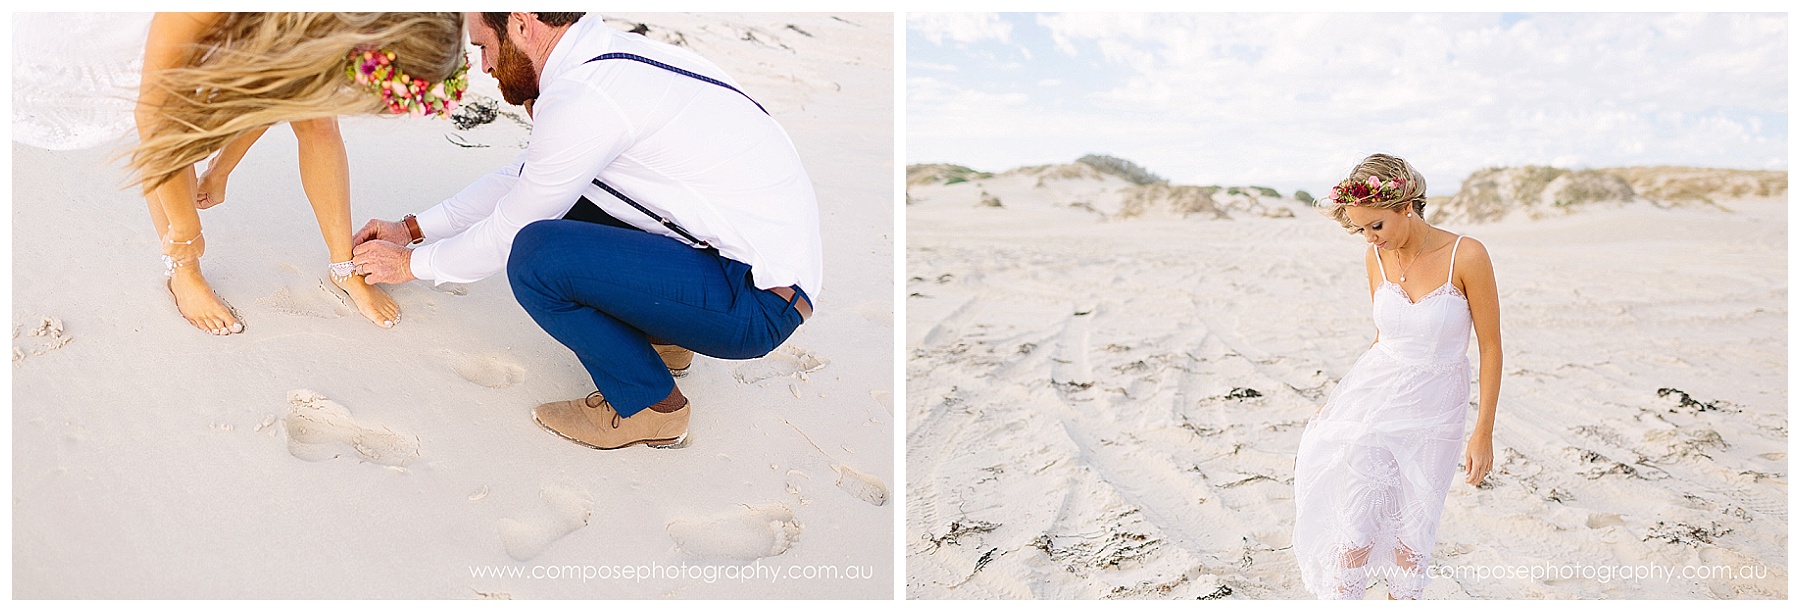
(317, 455)
(1071, 430)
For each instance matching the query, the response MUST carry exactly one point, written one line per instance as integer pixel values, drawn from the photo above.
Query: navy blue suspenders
(702, 77)
(615, 193)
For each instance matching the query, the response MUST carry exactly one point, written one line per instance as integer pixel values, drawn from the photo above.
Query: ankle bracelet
(196, 238)
(342, 270)
(171, 263)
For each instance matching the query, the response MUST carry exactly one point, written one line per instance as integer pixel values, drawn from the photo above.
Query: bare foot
(370, 300)
(199, 305)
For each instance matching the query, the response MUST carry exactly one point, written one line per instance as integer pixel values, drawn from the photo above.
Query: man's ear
(518, 24)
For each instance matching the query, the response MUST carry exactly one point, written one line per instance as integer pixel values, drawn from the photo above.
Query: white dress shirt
(699, 154)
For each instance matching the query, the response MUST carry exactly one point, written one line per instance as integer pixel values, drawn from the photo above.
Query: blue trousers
(605, 291)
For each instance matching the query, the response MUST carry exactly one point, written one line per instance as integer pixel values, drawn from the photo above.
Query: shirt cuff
(434, 223)
(420, 262)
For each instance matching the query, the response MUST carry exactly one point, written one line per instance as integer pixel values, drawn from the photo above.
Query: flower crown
(374, 70)
(1352, 192)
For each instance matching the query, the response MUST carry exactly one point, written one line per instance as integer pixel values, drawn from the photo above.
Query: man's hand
(377, 229)
(381, 261)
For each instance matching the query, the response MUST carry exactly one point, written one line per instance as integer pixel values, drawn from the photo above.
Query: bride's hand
(212, 189)
(1478, 459)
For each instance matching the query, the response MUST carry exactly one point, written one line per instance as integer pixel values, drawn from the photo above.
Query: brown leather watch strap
(412, 229)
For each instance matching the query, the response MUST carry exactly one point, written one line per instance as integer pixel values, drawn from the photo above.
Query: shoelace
(589, 401)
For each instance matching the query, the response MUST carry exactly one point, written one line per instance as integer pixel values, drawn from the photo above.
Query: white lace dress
(75, 77)
(1376, 462)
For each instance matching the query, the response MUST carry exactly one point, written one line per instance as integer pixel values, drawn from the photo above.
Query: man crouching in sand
(657, 211)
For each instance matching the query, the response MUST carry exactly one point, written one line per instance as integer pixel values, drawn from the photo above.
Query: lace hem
(1353, 571)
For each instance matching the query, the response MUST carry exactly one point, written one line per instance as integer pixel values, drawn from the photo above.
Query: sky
(1294, 100)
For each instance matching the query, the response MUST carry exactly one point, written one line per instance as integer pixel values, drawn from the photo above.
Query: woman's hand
(1478, 458)
(212, 188)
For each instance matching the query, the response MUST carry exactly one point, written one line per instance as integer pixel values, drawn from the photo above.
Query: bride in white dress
(1377, 460)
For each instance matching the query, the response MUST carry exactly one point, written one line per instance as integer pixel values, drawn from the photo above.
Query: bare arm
(1373, 267)
(234, 150)
(212, 185)
(1475, 276)
(171, 34)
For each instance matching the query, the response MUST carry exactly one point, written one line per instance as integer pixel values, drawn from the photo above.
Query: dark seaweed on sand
(477, 112)
(1242, 393)
(1688, 401)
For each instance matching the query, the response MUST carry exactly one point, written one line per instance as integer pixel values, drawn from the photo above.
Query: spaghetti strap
(1378, 264)
(1453, 246)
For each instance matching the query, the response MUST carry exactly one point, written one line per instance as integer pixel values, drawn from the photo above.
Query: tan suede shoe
(676, 358)
(591, 422)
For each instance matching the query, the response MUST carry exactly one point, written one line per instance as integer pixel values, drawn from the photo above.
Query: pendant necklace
(1414, 261)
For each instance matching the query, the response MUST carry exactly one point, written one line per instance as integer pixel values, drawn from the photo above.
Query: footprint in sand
(304, 296)
(450, 288)
(569, 509)
(861, 486)
(48, 328)
(784, 362)
(741, 534)
(490, 372)
(320, 429)
(876, 311)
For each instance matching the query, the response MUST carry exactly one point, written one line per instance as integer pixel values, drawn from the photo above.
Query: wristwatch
(412, 229)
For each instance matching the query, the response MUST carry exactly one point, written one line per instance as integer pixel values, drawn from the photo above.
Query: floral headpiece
(1352, 192)
(374, 70)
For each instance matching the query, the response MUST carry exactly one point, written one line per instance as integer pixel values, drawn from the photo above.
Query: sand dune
(1101, 193)
(1109, 409)
(1538, 192)
(319, 456)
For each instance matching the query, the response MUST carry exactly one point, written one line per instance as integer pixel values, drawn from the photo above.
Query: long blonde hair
(1383, 167)
(257, 69)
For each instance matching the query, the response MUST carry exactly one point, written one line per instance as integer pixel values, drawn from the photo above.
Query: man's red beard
(518, 79)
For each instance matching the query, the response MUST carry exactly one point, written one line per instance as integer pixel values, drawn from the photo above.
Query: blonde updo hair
(257, 69)
(1384, 168)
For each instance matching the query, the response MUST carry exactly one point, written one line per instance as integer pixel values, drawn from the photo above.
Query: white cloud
(923, 66)
(1214, 97)
(959, 27)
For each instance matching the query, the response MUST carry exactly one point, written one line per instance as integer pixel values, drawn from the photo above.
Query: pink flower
(1374, 183)
(438, 91)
